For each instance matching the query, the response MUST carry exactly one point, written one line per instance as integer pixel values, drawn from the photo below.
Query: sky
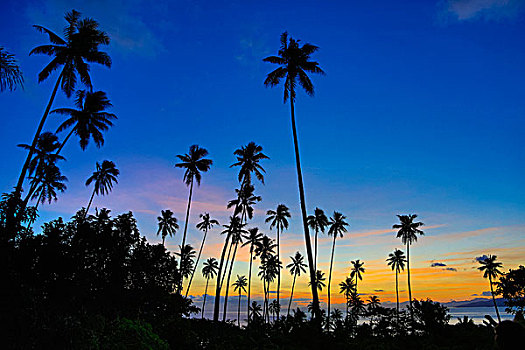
(421, 111)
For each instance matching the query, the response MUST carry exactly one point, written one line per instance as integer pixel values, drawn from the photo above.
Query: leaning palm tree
(317, 222)
(47, 186)
(104, 177)
(294, 63)
(396, 261)
(239, 285)
(252, 239)
(194, 163)
(296, 267)
(10, 73)
(490, 268)
(347, 287)
(209, 270)
(205, 225)
(89, 120)
(357, 271)
(80, 47)
(408, 231)
(167, 224)
(279, 219)
(337, 228)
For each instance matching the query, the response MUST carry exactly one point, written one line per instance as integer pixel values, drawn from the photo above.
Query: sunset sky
(422, 111)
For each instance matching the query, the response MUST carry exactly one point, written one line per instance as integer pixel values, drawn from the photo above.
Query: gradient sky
(421, 111)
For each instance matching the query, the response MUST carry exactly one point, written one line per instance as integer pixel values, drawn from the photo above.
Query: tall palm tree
(408, 231)
(490, 268)
(209, 270)
(104, 176)
(80, 47)
(269, 268)
(46, 187)
(89, 120)
(194, 163)
(205, 225)
(337, 228)
(10, 73)
(396, 261)
(317, 222)
(294, 63)
(279, 219)
(252, 239)
(167, 224)
(347, 287)
(357, 271)
(296, 267)
(239, 285)
(244, 202)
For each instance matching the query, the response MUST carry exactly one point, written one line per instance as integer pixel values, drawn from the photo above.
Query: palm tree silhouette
(265, 250)
(89, 120)
(357, 305)
(408, 231)
(347, 287)
(194, 163)
(167, 224)
(337, 228)
(373, 303)
(10, 74)
(275, 309)
(48, 184)
(187, 253)
(255, 309)
(104, 177)
(209, 270)
(396, 261)
(279, 219)
(357, 271)
(205, 225)
(252, 239)
(269, 268)
(81, 45)
(239, 285)
(319, 281)
(317, 222)
(490, 268)
(293, 61)
(296, 267)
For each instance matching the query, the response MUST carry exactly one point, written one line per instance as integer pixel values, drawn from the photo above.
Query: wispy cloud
(437, 264)
(483, 9)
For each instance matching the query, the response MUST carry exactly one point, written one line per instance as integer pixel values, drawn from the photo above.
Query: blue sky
(422, 110)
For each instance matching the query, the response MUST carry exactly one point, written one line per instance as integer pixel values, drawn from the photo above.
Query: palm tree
(357, 271)
(209, 270)
(279, 219)
(373, 303)
(269, 268)
(10, 74)
(275, 309)
(205, 225)
(80, 47)
(252, 239)
(408, 231)
(490, 268)
(239, 285)
(347, 287)
(318, 281)
(167, 224)
(296, 267)
(255, 309)
(89, 120)
(357, 305)
(317, 222)
(396, 261)
(194, 163)
(46, 187)
(104, 177)
(187, 253)
(337, 228)
(293, 61)
(244, 202)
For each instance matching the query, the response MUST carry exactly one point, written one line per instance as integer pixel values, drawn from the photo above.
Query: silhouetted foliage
(512, 287)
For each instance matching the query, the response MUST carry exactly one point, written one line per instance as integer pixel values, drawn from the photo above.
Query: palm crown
(252, 238)
(206, 223)
(279, 217)
(244, 201)
(408, 229)
(104, 177)
(490, 267)
(297, 265)
(240, 284)
(357, 269)
(397, 260)
(318, 221)
(319, 280)
(167, 224)
(46, 187)
(347, 287)
(194, 163)
(210, 267)
(337, 225)
(10, 74)
(248, 158)
(44, 154)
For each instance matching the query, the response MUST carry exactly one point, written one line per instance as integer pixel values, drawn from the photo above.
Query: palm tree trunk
(205, 293)
(228, 282)
(65, 140)
(264, 303)
(494, 299)
(250, 281)
(267, 301)
(217, 301)
(239, 311)
(329, 282)
(278, 268)
(197, 263)
(89, 204)
(347, 307)
(409, 287)
(291, 295)
(397, 297)
(185, 230)
(163, 239)
(315, 297)
(227, 263)
(315, 256)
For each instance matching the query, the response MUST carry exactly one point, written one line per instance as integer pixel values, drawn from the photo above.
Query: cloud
(379, 290)
(437, 264)
(481, 258)
(486, 294)
(450, 269)
(462, 10)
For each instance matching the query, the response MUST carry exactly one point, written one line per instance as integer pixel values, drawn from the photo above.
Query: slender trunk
(227, 263)
(315, 297)
(409, 287)
(267, 301)
(197, 263)
(65, 140)
(89, 204)
(264, 303)
(494, 299)
(228, 282)
(397, 297)
(184, 235)
(347, 306)
(218, 284)
(250, 281)
(329, 282)
(239, 311)
(291, 295)
(163, 240)
(315, 256)
(36, 207)
(205, 294)
(279, 268)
